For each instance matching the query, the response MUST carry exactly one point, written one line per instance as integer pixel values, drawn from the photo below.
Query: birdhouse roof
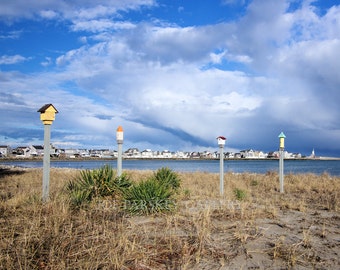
(221, 137)
(45, 107)
(282, 135)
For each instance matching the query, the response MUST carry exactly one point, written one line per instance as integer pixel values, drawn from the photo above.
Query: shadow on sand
(10, 171)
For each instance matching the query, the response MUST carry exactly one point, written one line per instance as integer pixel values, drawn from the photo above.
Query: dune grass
(252, 223)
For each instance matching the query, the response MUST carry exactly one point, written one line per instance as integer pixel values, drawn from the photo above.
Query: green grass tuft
(240, 194)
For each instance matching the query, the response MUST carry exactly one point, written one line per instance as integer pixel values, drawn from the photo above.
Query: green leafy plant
(186, 193)
(240, 194)
(100, 182)
(78, 196)
(168, 178)
(254, 183)
(148, 197)
(153, 195)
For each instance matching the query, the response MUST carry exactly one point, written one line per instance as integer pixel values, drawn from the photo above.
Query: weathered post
(47, 116)
(221, 142)
(119, 137)
(281, 154)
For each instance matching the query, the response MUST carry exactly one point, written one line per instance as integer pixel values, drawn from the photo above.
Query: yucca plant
(148, 197)
(100, 182)
(168, 177)
(78, 196)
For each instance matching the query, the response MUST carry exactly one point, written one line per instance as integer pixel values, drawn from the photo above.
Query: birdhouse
(282, 137)
(120, 134)
(47, 114)
(221, 140)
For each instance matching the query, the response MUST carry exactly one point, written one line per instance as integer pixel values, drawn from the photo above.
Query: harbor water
(331, 167)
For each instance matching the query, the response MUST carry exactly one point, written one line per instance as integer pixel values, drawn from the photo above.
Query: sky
(175, 74)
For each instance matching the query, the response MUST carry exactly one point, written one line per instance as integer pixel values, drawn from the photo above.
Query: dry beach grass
(252, 226)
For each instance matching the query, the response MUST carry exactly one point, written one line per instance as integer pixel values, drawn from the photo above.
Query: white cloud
(172, 44)
(235, 103)
(149, 78)
(100, 25)
(11, 35)
(11, 59)
(49, 14)
(47, 62)
(331, 22)
(98, 11)
(70, 10)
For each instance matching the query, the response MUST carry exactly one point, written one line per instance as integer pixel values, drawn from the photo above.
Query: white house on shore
(5, 150)
(147, 153)
(250, 153)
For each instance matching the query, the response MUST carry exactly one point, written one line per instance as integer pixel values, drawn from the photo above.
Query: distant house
(227, 154)
(5, 150)
(260, 154)
(181, 154)
(71, 153)
(273, 155)
(106, 153)
(206, 154)
(22, 151)
(276, 154)
(61, 153)
(115, 153)
(297, 155)
(287, 155)
(249, 153)
(132, 153)
(166, 154)
(93, 153)
(36, 150)
(147, 153)
(195, 155)
(237, 155)
(98, 152)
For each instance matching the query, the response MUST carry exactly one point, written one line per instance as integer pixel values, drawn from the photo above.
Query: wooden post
(120, 137)
(221, 142)
(47, 116)
(281, 153)
(282, 137)
(221, 171)
(46, 163)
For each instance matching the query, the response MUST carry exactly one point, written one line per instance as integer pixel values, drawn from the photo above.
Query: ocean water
(331, 167)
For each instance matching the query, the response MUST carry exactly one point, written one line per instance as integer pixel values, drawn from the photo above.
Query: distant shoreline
(196, 159)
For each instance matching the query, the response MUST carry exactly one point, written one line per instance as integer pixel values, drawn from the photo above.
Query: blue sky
(174, 74)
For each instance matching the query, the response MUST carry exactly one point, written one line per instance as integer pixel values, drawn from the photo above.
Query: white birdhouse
(119, 134)
(221, 140)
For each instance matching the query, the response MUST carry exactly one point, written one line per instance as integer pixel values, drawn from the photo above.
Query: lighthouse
(313, 154)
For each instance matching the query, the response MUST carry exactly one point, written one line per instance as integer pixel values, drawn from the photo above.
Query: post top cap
(221, 138)
(282, 135)
(120, 129)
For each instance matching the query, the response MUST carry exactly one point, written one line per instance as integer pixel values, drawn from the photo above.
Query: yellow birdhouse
(47, 114)
(282, 137)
